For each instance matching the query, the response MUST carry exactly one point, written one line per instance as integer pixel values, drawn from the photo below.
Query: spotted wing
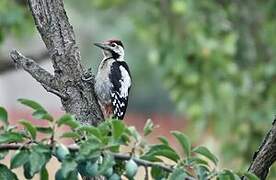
(121, 81)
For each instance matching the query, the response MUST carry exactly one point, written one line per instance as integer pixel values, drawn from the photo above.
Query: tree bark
(77, 95)
(266, 155)
(68, 81)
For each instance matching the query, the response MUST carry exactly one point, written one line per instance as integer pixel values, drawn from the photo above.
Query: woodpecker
(113, 80)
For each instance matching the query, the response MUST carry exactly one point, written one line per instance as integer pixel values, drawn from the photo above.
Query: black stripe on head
(118, 42)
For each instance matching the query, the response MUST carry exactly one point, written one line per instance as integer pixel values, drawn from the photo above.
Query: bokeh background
(206, 68)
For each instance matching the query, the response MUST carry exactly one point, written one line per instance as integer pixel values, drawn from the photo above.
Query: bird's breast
(102, 82)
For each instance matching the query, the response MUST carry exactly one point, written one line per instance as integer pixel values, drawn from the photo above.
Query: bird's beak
(102, 45)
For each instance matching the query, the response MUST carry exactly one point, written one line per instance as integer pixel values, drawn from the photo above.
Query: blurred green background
(212, 62)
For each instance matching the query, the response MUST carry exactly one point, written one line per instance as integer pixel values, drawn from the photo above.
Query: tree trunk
(266, 155)
(77, 95)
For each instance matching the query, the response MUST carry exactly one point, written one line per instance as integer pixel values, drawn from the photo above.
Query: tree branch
(46, 79)
(58, 35)
(266, 155)
(118, 156)
(142, 162)
(6, 65)
(77, 95)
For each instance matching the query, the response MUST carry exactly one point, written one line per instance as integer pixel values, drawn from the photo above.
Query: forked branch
(77, 96)
(46, 79)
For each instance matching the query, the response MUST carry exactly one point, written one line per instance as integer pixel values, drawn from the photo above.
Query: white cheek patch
(125, 82)
(119, 50)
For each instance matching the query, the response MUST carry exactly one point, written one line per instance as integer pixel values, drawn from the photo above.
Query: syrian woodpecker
(113, 80)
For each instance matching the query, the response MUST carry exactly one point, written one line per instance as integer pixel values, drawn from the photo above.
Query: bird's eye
(113, 44)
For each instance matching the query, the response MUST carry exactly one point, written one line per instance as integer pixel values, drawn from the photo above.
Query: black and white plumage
(113, 80)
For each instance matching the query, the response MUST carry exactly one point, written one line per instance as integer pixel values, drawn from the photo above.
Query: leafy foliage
(98, 152)
(14, 18)
(216, 60)
(3, 116)
(219, 71)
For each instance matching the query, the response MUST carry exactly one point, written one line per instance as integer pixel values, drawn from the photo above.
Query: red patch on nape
(118, 42)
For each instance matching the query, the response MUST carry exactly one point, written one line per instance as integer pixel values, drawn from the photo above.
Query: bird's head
(112, 48)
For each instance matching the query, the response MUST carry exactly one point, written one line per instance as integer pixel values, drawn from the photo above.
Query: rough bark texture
(77, 95)
(6, 65)
(266, 155)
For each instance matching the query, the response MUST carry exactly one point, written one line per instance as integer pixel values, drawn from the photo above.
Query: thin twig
(118, 156)
(146, 173)
(142, 162)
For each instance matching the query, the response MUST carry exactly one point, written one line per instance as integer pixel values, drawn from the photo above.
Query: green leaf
(161, 150)
(69, 120)
(88, 168)
(37, 161)
(108, 162)
(151, 158)
(178, 174)
(61, 152)
(105, 128)
(10, 137)
(42, 114)
(198, 161)
(148, 127)
(205, 152)
(42, 148)
(44, 174)
(29, 127)
(32, 104)
(90, 148)
(45, 130)
(59, 176)
(3, 154)
(158, 173)
(202, 172)
(118, 128)
(72, 175)
(72, 135)
(27, 170)
(228, 175)
(108, 172)
(183, 141)
(163, 140)
(134, 133)
(6, 173)
(90, 130)
(19, 159)
(251, 176)
(4, 116)
(67, 167)
(45, 150)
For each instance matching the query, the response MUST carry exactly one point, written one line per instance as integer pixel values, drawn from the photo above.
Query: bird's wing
(121, 81)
